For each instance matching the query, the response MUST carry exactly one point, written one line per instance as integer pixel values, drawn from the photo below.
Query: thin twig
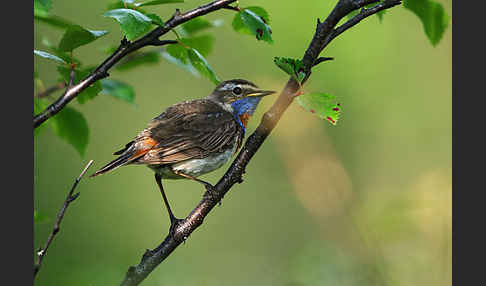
(71, 76)
(69, 199)
(234, 8)
(124, 49)
(364, 13)
(183, 229)
(322, 59)
(50, 90)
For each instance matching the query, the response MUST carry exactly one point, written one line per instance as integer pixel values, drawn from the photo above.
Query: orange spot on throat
(244, 118)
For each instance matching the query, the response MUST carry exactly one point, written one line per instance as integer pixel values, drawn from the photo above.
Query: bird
(193, 137)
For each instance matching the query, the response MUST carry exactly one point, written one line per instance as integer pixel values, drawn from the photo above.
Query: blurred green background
(366, 202)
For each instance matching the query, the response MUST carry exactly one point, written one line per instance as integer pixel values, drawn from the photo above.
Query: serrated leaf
(254, 21)
(49, 56)
(155, 19)
(157, 2)
(137, 59)
(39, 106)
(71, 126)
(292, 67)
(196, 25)
(118, 90)
(76, 36)
(132, 23)
(40, 218)
(200, 64)
(433, 16)
(203, 44)
(321, 104)
(87, 94)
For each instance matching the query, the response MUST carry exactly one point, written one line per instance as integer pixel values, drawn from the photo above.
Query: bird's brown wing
(192, 129)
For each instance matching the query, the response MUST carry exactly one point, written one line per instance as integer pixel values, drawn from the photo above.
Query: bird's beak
(261, 93)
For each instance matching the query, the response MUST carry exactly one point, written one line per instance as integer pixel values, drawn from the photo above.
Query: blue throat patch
(246, 105)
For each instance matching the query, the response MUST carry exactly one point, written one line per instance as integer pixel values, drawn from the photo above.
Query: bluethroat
(194, 137)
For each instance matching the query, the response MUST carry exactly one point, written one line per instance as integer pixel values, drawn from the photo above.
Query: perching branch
(325, 32)
(124, 49)
(69, 199)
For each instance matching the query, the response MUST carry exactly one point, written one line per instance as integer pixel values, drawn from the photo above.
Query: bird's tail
(118, 162)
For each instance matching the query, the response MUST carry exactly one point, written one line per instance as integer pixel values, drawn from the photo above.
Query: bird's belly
(197, 167)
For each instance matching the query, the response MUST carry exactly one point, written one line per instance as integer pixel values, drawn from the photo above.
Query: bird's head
(239, 97)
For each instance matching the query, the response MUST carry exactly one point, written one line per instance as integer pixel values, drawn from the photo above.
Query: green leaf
(254, 21)
(138, 58)
(158, 2)
(67, 57)
(41, 13)
(196, 25)
(132, 23)
(179, 52)
(90, 92)
(200, 64)
(155, 19)
(321, 104)
(185, 65)
(118, 90)
(40, 218)
(292, 67)
(76, 36)
(190, 59)
(260, 11)
(433, 16)
(203, 44)
(42, 7)
(39, 106)
(49, 56)
(71, 126)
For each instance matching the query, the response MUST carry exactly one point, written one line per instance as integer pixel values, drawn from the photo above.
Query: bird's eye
(237, 90)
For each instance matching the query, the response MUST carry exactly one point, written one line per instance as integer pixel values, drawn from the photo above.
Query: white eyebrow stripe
(230, 86)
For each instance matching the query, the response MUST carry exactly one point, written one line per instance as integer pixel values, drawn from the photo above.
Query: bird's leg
(208, 186)
(173, 219)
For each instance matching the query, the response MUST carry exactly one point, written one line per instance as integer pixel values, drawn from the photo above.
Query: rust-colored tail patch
(132, 153)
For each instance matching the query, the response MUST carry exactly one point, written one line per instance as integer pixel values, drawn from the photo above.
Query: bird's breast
(198, 167)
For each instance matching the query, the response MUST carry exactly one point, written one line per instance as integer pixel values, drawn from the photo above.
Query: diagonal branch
(69, 199)
(181, 231)
(124, 49)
